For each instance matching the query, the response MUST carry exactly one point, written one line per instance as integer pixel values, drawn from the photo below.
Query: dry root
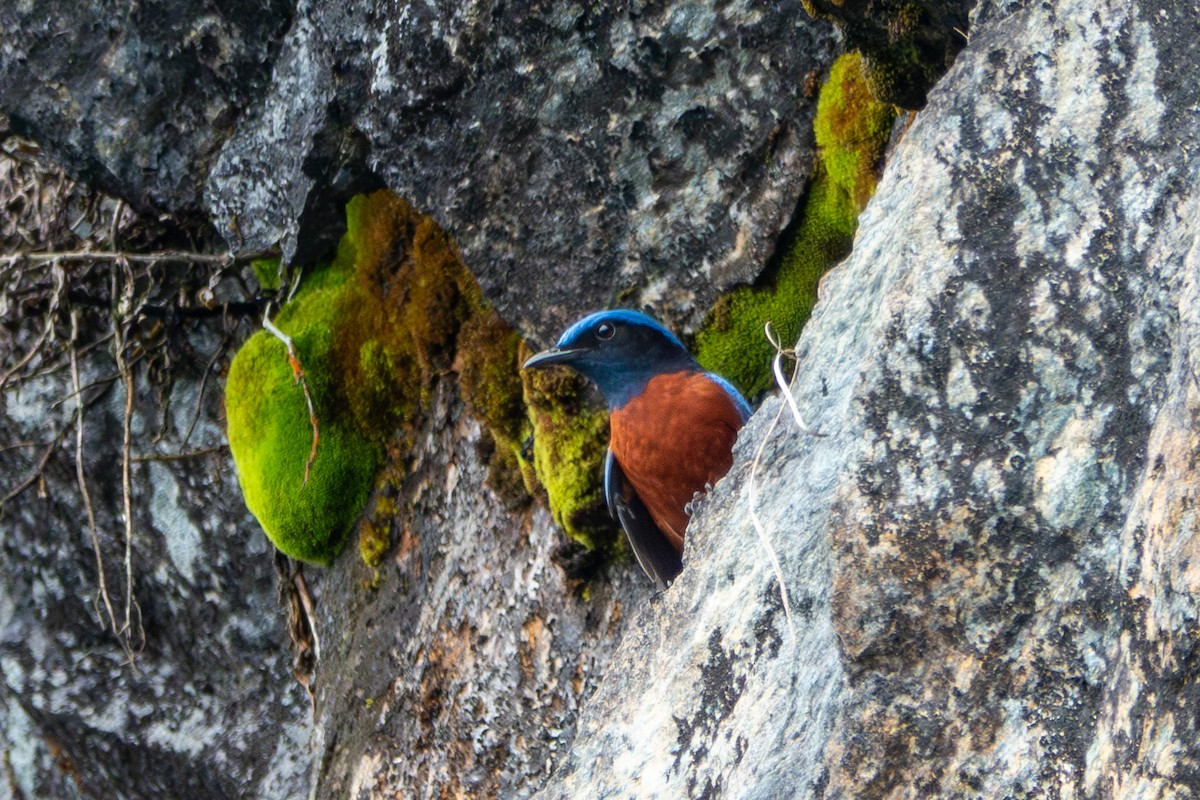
(90, 288)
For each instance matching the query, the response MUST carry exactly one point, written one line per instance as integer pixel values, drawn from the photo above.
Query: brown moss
(414, 314)
(489, 376)
(490, 382)
(377, 327)
(401, 311)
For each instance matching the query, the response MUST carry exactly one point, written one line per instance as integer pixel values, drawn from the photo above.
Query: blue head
(619, 351)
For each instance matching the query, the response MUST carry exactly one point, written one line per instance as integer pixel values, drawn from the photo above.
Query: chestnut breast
(673, 439)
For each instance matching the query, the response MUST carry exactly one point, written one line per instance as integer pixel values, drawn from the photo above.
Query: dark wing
(658, 558)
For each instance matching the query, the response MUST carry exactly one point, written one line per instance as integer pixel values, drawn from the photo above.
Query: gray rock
(579, 155)
(208, 708)
(462, 669)
(136, 99)
(991, 555)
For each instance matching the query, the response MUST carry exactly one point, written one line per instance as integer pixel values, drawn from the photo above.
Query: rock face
(577, 154)
(991, 554)
(136, 99)
(462, 669)
(678, 135)
(208, 709)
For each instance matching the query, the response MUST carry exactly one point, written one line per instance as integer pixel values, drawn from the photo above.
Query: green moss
(373, 330)
(375, 533)
(266, 272)
(852, 131)
(570, 438)
(395, 310)
(270, 434)
(906, 44)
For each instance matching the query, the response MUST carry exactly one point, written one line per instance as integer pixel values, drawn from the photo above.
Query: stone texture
(578, 154)
(469, 651)
(996, 547)
(136, 98)
(991, 553)
(459, 668)
(208, 708)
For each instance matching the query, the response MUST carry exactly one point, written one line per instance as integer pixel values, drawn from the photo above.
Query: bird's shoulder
(692, 394)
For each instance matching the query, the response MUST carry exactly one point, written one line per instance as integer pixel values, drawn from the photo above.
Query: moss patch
(374, 330)
(375, 535)
(271, 437)
(550, 408)
(852, 131)
(906, 44)
(266, 272)
(490, 381)
(400, 312)
(570, 435)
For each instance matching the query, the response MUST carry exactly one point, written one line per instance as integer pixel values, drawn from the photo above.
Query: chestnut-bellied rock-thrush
(672, 427)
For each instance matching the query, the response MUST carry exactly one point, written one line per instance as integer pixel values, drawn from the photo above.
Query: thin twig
(126, 483)
(59, 280)
(761, 529)
(207, 451)
(113, 229)
(173, 256)
(310, 613)
(37, 470)
(106, 381)
(298, 374)
(82, 479)
(752, 484)
(55, 367)
(785, 385)
(200, 393)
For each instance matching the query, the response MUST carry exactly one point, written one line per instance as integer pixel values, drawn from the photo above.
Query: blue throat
(621, 382)
(618, 383)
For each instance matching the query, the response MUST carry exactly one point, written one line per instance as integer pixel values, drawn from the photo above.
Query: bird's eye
(605, 330)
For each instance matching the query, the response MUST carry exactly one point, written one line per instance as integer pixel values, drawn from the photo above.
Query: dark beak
(548, 358)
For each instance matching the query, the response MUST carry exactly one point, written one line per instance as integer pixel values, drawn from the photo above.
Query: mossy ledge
(374, 329)
(569, 442)
(852, 130)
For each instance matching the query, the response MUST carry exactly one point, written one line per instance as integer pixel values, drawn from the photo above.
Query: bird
(672, 427)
